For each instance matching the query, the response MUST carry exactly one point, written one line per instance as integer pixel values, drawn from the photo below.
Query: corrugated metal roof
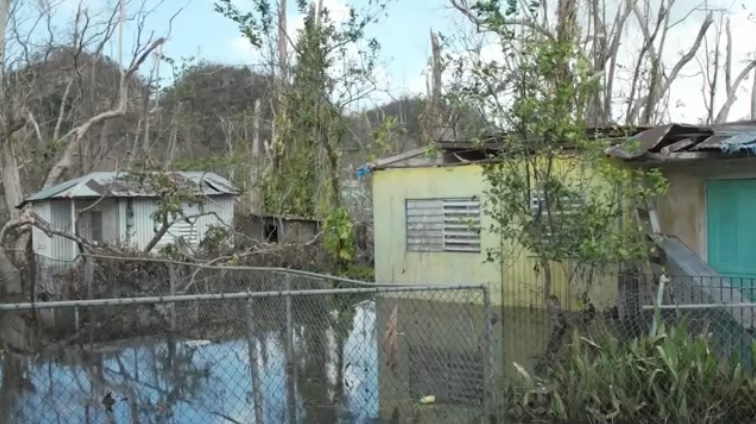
(120, 184)
(667, 141)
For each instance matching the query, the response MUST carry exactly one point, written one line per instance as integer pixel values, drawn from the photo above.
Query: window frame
(446, 244)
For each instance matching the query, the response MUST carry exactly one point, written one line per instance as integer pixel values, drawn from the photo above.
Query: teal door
(731, 231)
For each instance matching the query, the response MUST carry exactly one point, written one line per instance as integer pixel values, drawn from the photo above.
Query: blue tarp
(362, 170)
(741, 142)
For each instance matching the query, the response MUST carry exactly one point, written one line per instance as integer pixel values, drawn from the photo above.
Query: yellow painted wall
(393, 263)
(516, 283)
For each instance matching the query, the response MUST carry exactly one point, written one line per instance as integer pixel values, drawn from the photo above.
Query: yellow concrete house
(420, 196)
(428, 216)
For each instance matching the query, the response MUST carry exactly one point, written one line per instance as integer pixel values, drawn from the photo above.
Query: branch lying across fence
(226, 296)
(285, 271)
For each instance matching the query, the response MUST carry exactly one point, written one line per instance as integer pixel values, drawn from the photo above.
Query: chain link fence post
(291, 401)
(251, 335)
(488, 357)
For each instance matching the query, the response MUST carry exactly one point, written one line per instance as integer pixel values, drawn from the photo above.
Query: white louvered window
(443, 225)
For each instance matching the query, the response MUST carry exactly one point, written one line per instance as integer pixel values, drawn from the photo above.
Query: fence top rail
(701, 306)
(25, 306)
(284, 271)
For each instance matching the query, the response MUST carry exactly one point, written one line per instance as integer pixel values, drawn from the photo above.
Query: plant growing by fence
(668, 375)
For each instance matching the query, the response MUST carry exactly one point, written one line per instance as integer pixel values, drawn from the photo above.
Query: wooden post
(172, 285)
(89, 282)
(254, 368)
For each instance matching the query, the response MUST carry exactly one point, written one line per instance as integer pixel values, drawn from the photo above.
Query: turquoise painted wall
(731, 231)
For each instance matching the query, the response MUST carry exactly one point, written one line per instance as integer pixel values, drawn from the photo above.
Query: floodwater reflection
(194, 381)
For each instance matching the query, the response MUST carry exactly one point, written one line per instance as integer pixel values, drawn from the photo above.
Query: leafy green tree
(552, 190)
(332, 70)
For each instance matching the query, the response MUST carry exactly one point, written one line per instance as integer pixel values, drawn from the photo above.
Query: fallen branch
(167, 225)
(249, 252)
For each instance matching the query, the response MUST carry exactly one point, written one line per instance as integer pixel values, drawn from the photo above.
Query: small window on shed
(270, 233)
(443, 225)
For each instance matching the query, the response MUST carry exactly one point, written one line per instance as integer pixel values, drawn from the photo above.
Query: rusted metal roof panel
(119, 184)
(675, 141)
(712, 143)
(654, 139)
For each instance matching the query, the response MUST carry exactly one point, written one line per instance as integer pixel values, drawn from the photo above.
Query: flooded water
(194, 381)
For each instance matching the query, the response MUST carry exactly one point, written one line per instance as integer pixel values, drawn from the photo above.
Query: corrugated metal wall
(223, 206)
(61, 218)
(144, 228)
(120, 227)
(110, 219)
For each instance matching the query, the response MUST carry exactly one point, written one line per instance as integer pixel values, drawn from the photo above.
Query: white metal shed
(118, 211)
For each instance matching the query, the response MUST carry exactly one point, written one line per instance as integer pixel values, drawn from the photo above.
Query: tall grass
(670, 376)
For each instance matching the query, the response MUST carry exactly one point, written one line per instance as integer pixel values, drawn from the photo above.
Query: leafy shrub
(668, 377)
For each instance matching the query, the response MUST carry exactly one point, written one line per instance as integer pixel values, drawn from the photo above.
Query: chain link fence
(622, 347)
(300, 354)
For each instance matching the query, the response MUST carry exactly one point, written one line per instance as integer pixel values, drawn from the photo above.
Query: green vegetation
(670, 376)
(311, 118)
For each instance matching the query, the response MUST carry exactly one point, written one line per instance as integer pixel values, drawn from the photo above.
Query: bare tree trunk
(3, 19)
(435, 130)
(75, 136)
(281, 42)
(280, 68)
(254, 190)
(732, 94)
(15, 332)
(10, 277)
(11, 178)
